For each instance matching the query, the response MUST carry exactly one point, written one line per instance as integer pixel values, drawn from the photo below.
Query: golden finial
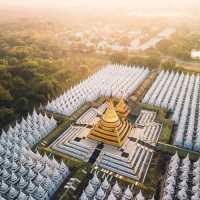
(121, 108)
(121, 105)
(110, 115)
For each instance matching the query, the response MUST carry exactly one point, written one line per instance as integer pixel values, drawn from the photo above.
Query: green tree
(152, 61)
(169, 64)
(119, 57)
(7, 115)
(136, 60)
(5, 97)
(22, 105)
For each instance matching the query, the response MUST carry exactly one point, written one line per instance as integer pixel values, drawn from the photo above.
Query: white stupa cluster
(115, 80)
(179, 93)
(183, 179)
(29, 131)
(103, 190)
(26, 175)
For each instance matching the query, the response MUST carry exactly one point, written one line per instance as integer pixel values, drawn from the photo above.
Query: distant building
(117, 48)
(195, 54)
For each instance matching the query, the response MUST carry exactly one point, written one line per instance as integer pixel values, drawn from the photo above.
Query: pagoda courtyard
(105, 138)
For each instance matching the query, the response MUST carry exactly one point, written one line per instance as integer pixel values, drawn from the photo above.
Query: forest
(36, 67)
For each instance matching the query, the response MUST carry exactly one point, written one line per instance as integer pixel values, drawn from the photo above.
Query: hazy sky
(162, 3)
(97, 2)
(132, 5)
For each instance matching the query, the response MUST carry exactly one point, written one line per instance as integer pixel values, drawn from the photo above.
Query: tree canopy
(35, 67)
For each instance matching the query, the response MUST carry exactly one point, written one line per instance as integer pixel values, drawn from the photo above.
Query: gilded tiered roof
(111, 129)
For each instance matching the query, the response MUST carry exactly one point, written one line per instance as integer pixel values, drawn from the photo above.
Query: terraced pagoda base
(130, 160)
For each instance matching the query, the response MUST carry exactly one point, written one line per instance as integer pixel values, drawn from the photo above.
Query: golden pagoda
(110, 129)
(122, 109)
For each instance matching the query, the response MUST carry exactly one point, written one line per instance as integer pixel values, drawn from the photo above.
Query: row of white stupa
(183, 179)
(102, 190)
(29, 131)
(165, 89)
(25, 175)
(179, 93)
(113, 80)
(188, 116)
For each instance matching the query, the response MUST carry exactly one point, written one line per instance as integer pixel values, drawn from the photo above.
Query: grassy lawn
(140, 92)
(155, 174)
(80, 111)
(160, 111)
(83, 180)
(57, 116)
(98, 102)
(166, 132)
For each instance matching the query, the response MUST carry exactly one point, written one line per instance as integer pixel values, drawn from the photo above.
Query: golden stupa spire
(110, 115)
(122, 108)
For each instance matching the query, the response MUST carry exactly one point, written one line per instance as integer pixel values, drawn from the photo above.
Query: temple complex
(104, 137)
(105, 134)
(101, 134)
(111, 129)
